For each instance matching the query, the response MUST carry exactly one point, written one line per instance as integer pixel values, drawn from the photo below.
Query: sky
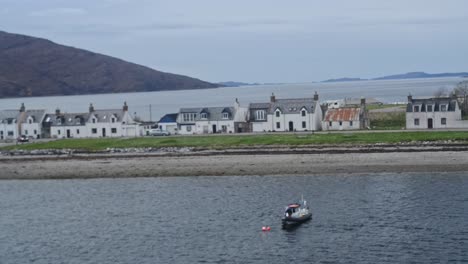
(265, 41)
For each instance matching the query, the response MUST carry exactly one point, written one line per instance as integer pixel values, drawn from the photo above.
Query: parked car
(23, 139)
(159, 132)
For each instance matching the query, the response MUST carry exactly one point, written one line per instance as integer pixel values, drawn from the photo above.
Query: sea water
(379, 218)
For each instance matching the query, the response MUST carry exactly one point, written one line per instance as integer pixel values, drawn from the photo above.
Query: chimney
(22, 108)
(363, 101)
(410, 98)
(237, 104)
(125, 107)
(316, 97)
(272, 98)
(57, 111)
(91, 108)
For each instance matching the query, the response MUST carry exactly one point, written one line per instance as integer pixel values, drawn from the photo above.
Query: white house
(9, 129)
(65, 125)
(111, 123)
(346, 118)
(94, 124)
(437, 113)
(169, 123)
(31, 122)
(210, 120)
(303, 114)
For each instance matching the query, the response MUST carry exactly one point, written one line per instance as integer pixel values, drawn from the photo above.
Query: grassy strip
(233, 141)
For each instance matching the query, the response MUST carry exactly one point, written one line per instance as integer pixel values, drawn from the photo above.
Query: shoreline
(235, 163)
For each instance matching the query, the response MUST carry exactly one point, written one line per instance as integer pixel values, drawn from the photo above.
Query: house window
(304, 124)
(59, 132)
(113, 120)
(26, 132)
(443, 121)
(35, 132)
(303, 112)
(416, 121)
(30, 121)
(225, 115)
(443, 108)
(416, 108)
(189, 128)
(94, 121)
(429, 108)
(59, 121)
(77, 131)
(10, 133)
(94, 130)
(330, 123)
(203, 116)
(260, 115)
(341, 123)
(278, 113)
(278, 125)
(114, 130)
(350, 123)
(188, 117)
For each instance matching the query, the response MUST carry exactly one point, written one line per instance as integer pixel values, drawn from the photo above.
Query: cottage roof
(7, 116)
(67, 119)
(342, 114)
(212, 113)
(105, 115)
(259, 106)
(435, 102)
(293, 106)
(287, 106)
(37, 115)
(169, 118)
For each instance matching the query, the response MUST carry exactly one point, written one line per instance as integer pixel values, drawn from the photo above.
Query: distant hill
(235, 84)
(32, 66)
(409, 75)
(345, 79)
(415, 75)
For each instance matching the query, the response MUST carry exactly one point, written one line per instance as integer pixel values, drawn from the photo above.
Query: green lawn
(233, 141)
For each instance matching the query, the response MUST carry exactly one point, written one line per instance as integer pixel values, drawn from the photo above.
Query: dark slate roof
(259, 106)
(169, 118)
(213, 113)
(104, 115)
(6, 115)
(436, 102)
(293, 106)
(287, 106)
(67, 119)
(37, 115)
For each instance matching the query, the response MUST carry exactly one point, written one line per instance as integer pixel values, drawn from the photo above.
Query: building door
(291, 126)
(68, 133)
(429, 123)
(214, 128)
(103, 132)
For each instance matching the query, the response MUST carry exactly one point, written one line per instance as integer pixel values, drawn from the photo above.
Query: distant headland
(409, 75)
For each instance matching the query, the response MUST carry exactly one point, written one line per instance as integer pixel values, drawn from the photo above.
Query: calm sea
(383, 218)
(155, 104)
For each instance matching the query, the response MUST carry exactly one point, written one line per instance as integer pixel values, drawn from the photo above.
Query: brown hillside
(37, 67)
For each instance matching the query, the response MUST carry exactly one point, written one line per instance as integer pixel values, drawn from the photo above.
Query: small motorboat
(296, 213)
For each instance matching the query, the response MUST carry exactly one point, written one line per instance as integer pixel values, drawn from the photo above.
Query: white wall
(9, 128)
(346, 125)
(206, 127)
(453, 120)
(61, 131)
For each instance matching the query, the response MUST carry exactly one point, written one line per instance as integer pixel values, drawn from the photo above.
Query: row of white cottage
(93, 124)
(303, 114)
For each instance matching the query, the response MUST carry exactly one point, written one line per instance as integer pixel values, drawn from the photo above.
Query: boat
(296, 213)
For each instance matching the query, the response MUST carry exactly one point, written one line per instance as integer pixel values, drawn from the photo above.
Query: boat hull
(296, 220)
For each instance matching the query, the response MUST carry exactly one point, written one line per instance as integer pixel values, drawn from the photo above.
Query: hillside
(38, 67)
(415, 75)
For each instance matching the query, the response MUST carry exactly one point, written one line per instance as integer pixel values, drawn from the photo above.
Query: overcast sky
(257, 40)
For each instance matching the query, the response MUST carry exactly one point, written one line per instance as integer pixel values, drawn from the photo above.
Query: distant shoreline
(251, 163)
